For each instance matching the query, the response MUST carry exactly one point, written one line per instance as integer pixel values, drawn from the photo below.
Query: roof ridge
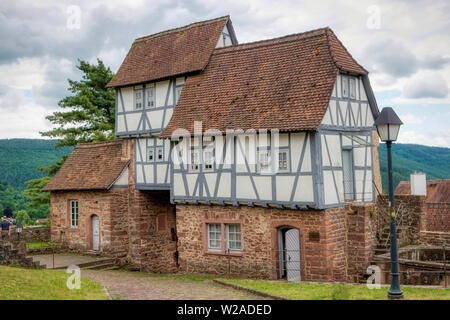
(273, 41)
(98, 144)
(179, 29)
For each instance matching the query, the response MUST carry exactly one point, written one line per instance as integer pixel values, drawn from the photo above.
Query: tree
(91, 108)
(90, 118)
(8, 212)
(23, 217)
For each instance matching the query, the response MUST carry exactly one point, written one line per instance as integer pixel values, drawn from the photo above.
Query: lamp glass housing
(388, 132)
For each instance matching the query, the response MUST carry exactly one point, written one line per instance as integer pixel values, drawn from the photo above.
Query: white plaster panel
(244, 188)
(155, 117)
(330, 195)
(191, 180)
(284, 186)
(127, 96)
(224, 190)
(161, 93)
(178, 185)
(161, 173)
(123, 178)
(149, 175)
(263, 186)
(297, 141)
(133, 121)
(304, 191)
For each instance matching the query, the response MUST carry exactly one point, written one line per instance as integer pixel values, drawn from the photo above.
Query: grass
(38, 284)
(317, 291)
(35, 245)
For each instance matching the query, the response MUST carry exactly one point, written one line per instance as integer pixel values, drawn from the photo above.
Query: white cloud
(437, 139)
(411, 119)
(430, 85)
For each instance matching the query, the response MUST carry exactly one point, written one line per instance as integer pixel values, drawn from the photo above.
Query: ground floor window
(74, 213)
(232, 240)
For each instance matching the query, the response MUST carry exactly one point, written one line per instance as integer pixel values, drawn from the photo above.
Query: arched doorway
(289, 253)
(95, 232)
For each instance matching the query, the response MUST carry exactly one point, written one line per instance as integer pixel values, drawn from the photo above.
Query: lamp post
(388, 125)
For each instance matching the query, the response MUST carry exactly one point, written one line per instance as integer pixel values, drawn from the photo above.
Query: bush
(23, 217)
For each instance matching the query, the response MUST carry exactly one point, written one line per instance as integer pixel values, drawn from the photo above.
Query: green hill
(19, 159)
(407, 158)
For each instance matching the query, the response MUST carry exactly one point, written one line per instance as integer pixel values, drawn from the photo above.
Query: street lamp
(388, 125)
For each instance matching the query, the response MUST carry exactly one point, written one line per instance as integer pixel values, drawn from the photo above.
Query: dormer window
(353, 88)
(151, 97)
(138, 99)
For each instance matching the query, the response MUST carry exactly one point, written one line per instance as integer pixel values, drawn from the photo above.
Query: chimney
(418, 184)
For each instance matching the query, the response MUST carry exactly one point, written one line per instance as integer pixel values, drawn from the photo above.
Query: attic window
(138, 99)
(352, 88)
(151, 97)
(345, 87)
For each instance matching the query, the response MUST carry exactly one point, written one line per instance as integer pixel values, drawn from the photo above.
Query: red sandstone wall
(321, 260)
(107, 205)
(437, 217)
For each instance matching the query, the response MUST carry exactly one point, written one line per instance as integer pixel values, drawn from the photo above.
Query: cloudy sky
(405, 45)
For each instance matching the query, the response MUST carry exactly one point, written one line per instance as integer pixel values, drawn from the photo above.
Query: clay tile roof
(438, 191)
(170, 53)
(90, 166)
(282, 83)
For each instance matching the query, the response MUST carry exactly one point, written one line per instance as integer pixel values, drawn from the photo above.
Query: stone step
(102, 266)
(92, 263)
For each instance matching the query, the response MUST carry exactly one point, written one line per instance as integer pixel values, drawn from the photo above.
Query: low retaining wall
(15, 255)
(32, 234)
(433, 238)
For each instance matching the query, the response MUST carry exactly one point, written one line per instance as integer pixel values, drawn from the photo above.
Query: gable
(170, 53)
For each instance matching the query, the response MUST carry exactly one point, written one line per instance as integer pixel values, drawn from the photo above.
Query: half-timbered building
(248, 158)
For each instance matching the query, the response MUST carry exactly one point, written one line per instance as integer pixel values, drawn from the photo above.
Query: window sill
(222, 253)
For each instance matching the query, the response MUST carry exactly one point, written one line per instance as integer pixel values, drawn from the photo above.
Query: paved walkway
(63, 259)
(142, 286)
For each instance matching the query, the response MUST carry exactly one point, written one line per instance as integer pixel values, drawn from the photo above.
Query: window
(208, 159)
(159, 153)
(138, 99)
(283, 160)
(345, 87)
(74, 213)
(195, 160)
(178, 94)
(150, 154)
(214, 237)
(352, 88)
(233, 237)
(151, 97)
(263, 160)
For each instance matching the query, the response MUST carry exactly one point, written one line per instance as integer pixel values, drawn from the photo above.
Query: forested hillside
(407, 158)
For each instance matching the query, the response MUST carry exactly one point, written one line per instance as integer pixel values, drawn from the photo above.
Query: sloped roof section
(170, 53)
(284, 83)
(90, 166)
(438, 191)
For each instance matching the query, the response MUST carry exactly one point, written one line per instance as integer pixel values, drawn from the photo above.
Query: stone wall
(433, 238)
(322, 241)
(32, 234)
(14, 254)
(361, 240)
(437, 217)
(410, 216)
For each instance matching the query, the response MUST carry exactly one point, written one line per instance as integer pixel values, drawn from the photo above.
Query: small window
(74, 213)
(138, 99)
(195, 160)
(151, 97)
(208, 158)
(214, 237)
(283, 160)
(159, 153)
(178, 94)
(233, 237)
(263, 160)
(352, 88)
(345, 87)
(150, 154)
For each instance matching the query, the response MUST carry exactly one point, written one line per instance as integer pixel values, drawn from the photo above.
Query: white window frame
(352, 88)
(150, 93)
(150, 151)
(194, 163)
(208, 160)
(288, 167)
(266, 154)
(345, 92)
(237, 237)
(159, 151)
(74, 214)
(137, 101)
(216, 231)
